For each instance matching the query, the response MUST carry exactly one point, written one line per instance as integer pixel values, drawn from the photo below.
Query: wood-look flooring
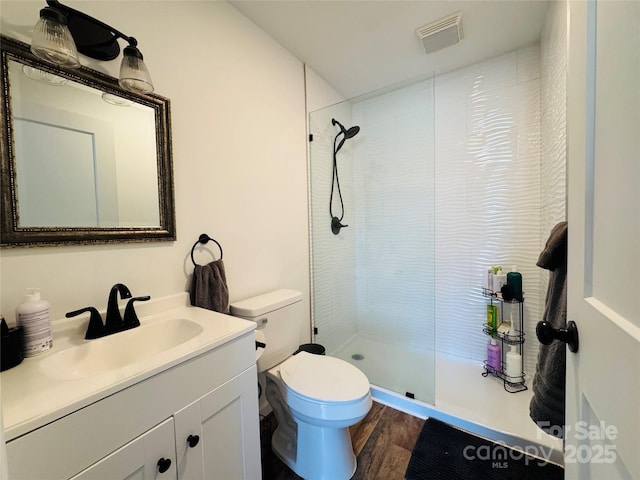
(382, 442)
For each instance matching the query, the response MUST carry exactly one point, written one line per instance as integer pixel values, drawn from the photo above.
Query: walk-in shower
(446, 177)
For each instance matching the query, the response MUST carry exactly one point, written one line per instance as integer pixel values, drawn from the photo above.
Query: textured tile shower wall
(487, 194)
(553, 66)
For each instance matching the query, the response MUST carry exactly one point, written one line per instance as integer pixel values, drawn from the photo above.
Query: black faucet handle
(96, 327)
(130, 316)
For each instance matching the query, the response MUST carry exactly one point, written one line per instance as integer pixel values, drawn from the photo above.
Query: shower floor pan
(462, 397)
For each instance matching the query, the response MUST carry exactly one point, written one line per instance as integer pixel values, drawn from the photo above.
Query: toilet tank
(278, 316)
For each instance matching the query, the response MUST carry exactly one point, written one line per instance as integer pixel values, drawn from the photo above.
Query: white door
(603, 377)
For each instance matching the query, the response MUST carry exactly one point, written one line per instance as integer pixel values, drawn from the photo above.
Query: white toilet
(315, 398)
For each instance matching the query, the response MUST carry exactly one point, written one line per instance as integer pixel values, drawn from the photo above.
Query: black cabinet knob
(547, 334)
(164, 464)
(192, 440)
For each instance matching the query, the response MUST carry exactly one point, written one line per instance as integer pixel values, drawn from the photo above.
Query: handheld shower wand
(336, 223)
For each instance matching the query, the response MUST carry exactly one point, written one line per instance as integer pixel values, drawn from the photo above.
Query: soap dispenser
(33, 316)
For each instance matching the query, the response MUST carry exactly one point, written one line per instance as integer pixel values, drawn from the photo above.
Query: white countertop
(32, 398)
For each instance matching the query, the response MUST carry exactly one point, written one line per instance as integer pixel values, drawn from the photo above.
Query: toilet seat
(323, 378)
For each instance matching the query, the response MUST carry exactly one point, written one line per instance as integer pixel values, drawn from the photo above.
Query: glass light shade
(52, 40)
(134, 75)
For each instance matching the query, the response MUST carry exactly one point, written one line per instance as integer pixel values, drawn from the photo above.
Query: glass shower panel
(332, 257)
(373, 283)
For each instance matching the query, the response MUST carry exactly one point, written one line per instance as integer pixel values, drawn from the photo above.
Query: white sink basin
(119, 350)
(78, 372)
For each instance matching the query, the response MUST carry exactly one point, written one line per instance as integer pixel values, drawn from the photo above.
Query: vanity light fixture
(62, 32)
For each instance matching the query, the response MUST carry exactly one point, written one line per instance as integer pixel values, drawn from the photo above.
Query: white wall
(239, 155)
(319, 93)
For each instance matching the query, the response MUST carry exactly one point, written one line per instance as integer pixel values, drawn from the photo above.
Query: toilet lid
(324, 378)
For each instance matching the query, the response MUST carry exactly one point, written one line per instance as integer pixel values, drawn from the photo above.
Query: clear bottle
(33, 316)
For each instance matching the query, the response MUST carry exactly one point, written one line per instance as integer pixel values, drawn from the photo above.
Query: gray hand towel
(209, 287)
(547, 405)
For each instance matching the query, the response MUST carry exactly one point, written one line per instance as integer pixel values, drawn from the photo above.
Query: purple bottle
(494, 358)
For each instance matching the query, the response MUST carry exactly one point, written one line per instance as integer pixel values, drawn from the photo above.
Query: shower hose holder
(336, 225)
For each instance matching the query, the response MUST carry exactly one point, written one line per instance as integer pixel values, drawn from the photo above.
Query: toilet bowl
(323, 396)
(315, 398)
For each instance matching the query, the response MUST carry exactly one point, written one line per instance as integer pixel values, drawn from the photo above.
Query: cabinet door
(226, 422)
(138, 459)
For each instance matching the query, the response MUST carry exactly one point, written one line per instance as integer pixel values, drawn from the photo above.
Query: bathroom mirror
(82, 160)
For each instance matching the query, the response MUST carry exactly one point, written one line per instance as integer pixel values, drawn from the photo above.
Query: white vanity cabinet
(211, 441)
(126, 434)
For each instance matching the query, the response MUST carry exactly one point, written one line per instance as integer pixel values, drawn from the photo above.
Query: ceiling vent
(442, 33)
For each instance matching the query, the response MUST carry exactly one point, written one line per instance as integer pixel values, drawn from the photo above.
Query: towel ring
(204, 238)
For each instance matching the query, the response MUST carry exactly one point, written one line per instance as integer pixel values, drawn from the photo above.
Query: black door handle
(164, 464)
(192, 440)
(547, 334)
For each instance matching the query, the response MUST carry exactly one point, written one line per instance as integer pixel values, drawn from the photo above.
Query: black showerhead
(352, 132)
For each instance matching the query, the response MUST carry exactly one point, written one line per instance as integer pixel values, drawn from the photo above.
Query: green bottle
(514, 282)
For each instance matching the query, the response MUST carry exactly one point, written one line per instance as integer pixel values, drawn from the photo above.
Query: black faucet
(114, 322)
(114, 319)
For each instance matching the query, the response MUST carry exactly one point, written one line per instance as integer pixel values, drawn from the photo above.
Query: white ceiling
(359, 46)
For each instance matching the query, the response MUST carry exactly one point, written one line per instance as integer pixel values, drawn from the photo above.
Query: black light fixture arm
(118, 34)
